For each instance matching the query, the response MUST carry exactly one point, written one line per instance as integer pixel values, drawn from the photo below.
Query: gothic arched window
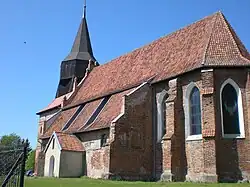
(195, 112)
(231, 110)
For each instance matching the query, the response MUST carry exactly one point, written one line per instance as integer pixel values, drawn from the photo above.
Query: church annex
(177, 109)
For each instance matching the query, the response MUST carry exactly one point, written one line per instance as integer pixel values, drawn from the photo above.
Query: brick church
(176, 109)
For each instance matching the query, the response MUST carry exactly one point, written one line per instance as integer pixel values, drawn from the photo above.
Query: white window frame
(240, 110)
(161, 101)
(189, 89)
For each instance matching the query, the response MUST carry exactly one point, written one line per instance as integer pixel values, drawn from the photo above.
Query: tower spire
(76, 63)
(84, 9)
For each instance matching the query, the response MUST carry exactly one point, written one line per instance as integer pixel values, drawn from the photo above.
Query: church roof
(81, 49)
(103, 120)
(69, 142)
(57, 102)
(210, 42)
(59, 122)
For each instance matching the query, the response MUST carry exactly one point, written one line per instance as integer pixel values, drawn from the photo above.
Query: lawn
(83, 182)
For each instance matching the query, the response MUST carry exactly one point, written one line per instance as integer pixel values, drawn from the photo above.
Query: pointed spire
(82, 49)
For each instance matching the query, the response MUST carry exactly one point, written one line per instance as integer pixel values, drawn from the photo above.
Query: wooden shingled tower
(75, 64)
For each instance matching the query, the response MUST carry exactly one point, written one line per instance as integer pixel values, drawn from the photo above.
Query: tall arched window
(231, 110)
(161, 98)
(164, 117)
(195, 112)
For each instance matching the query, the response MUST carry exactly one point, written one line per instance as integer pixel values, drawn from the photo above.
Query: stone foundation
(201, 177)
(167, 176)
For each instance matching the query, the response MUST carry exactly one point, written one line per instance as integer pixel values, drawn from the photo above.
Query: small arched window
(41, 130)
(231, 110)
(104, 138)
(195, 112)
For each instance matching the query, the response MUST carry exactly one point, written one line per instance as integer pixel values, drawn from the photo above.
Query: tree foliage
(12, 141)
(30, 162)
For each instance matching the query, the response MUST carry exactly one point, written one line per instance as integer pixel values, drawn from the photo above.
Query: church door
(51, 166)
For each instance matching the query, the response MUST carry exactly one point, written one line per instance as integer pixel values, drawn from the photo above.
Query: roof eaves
(90, 130)
(47, 110)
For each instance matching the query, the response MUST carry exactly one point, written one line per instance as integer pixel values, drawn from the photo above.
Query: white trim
(117, 117)
(194, 137)
(240, 110)
(186, 100)
(137, 88)
(47, 146)
(160, 102)
(206, 70)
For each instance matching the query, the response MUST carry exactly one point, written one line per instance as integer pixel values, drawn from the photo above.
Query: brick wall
(212, 157)
(131, 147)
(97, 157)
(233, 161)
(40, 157)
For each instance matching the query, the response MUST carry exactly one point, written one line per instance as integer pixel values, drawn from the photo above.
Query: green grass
(84, 182)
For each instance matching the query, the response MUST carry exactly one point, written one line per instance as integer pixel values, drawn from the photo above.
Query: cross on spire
(84, 9)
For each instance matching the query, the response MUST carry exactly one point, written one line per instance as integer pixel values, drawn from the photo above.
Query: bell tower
(76, 63)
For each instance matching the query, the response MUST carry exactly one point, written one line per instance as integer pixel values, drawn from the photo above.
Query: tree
(12, 141)
(30, 162)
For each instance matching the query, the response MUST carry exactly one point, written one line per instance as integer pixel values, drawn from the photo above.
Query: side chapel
(177, 109)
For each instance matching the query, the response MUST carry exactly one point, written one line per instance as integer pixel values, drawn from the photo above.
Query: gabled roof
(81, 49)
(208, 42)
(67, 142)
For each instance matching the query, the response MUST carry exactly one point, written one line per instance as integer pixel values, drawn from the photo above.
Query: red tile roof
(208, 42)
(84, 115)
(55, 103)
(59, 123)
(69, 142)
(110, 111)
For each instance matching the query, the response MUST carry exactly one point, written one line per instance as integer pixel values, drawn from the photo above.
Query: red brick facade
(131, 147)
(141, 101)
(212, 158)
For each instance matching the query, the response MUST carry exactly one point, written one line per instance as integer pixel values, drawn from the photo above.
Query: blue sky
(30, 72)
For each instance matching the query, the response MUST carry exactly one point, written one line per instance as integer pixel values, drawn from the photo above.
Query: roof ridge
(156, 40)
(230, 30)
(210, 36)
